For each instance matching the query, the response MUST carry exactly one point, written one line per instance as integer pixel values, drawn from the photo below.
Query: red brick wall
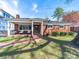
(66, 28)
(57, 28)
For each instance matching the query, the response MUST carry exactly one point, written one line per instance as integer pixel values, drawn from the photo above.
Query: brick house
(59, 27)
(75, 27)
(33, 26)
(36, 26)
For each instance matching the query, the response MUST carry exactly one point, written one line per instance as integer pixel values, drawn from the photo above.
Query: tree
(58, 13)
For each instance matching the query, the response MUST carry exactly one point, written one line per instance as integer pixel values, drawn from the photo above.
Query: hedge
(62, 33)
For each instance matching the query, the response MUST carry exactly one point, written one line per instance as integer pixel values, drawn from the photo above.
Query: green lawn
(63, 38)
(8, 39)
(2, 39)
(46, 48)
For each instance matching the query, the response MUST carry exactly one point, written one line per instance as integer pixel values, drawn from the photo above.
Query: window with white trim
(25, 27)
(62, 26)
(49, 26)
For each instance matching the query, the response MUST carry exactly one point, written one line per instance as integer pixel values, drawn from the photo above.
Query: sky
(36, 8)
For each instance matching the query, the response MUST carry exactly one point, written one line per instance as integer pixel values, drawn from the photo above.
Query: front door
(37, 29)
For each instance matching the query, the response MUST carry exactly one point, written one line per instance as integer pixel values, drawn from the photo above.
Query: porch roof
(28, 19)
(60, 23)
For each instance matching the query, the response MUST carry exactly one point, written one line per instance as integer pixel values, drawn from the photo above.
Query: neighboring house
(72, 17)
(4, 22)
(4, 14)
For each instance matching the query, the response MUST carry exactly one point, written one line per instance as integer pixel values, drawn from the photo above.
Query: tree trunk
(45, 29)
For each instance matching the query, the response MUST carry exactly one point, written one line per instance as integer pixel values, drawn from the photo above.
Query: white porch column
(8, 29)
(32, 27)
(42, 28)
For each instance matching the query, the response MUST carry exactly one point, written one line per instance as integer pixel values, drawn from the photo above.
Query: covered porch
(27, 27)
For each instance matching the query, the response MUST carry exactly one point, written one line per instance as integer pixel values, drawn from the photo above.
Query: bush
(55, 34)
(62, 33)
(71, 33)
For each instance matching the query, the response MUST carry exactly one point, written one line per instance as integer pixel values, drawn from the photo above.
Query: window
(1, 14)
(25, 27)
(61, 26)
(3, 27)
(49, 26)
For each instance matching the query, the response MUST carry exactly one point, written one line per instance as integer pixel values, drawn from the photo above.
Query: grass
(40, 53)
(50, 51)
(8, 39)
(46, 48)
(5, 39)
(65, 37)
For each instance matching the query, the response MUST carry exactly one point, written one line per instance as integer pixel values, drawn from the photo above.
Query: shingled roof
(29, 19)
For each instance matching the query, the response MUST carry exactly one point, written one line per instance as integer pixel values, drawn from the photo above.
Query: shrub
(63, 33)
(71, 33)
(59, 33)
(54, 33)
